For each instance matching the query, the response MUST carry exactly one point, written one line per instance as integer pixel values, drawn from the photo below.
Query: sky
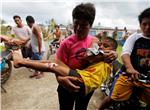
(109, 13)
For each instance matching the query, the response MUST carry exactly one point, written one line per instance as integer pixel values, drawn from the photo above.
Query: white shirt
(129, 44)
(22, 33)
(34, 42)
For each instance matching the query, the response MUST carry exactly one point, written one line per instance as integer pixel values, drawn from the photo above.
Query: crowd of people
(78, 72)
(118, 34)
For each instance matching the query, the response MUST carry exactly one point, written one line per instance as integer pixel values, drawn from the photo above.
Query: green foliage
(119, 49)
(3, 30)
(2, 22)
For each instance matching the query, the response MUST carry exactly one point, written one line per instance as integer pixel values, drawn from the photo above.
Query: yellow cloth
(124, 88)
(94, 75)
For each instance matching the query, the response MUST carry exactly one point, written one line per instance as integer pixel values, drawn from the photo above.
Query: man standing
(23, 33)
(115, 33)
(56, 36)
(83, 17)
(135, 57)
(37, 44)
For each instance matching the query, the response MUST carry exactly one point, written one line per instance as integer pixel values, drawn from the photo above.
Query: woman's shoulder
(68, 40)
(94, 39)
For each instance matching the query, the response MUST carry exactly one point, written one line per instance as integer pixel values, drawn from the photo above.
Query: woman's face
(81, 28)
(145, 27)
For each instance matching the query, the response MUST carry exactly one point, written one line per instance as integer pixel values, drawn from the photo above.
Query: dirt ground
(24, 93)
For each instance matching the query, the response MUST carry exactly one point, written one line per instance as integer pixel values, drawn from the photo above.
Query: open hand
(67, 82)
(133, 73)
(110, 55)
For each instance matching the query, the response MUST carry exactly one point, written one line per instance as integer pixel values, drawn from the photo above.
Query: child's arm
(5, 38)
(40, 66)
(95, 59)
(129, 68)
(58, 69)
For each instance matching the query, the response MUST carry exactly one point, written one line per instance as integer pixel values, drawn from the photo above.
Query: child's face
(106, 45)
(145, 26)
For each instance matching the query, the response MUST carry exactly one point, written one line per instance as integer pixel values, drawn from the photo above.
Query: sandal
(30, 70)
(39, 76)
(32, 76)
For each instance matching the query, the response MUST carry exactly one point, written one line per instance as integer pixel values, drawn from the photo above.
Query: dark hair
(144, 14)
(84, 11)
(56, 26)
(115, 44)
(9, 27)
(16, 16)
(30, 19)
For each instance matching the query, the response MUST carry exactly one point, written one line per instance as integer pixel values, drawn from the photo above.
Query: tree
(3, 29)
(51, 26)
(2, 22)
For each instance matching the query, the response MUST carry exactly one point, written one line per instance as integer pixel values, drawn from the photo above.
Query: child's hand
(133, 73)
(67, 83)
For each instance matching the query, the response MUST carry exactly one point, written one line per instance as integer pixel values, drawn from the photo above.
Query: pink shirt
(68, 49)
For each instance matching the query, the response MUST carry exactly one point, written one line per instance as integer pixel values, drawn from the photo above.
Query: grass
(119, 49)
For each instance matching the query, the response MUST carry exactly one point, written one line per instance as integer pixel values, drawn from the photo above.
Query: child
(89, 78)
(135, 56)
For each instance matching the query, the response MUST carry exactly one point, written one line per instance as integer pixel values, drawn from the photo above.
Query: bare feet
(16, 63)
(37, 75)
(17, 57)
(40, 75)
(30, 70)
(33, 75)
(17, 54)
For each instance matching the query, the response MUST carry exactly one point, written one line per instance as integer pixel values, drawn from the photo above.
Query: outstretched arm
(59, 69)
(4, 38)
(13, 41)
